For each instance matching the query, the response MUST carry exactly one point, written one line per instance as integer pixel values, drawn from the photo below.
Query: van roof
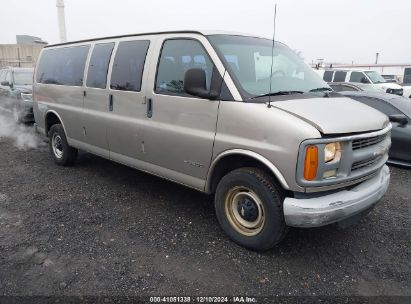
(202, 32)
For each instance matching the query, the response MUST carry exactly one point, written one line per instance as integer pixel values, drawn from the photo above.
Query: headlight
(332, 152)
(27, 97)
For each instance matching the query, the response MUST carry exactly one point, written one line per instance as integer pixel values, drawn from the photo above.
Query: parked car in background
(366, 78)
(407, 91)
(390, 78)
(195, 108)
(16, 92)
(398, 109)
(349, 86)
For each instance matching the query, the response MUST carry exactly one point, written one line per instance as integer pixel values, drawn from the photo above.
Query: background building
(22, 54)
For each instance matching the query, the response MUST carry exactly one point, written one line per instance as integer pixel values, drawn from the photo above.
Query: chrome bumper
(335, 207)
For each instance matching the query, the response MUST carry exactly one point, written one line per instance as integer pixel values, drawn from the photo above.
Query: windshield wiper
(278, 94)
(323, 89)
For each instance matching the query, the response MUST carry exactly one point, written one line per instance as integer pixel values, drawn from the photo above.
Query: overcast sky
(338, 31)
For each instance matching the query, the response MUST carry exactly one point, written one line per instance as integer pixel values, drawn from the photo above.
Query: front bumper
(335, 207)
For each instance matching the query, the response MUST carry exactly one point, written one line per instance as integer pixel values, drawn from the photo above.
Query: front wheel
(249, 208)
(62, 153)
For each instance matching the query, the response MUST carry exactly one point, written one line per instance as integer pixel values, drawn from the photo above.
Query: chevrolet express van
(367, 79)
(204, 110)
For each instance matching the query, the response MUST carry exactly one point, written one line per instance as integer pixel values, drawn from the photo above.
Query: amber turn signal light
(311, 162)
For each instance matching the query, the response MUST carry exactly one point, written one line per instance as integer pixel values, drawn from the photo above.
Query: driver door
(180, 128)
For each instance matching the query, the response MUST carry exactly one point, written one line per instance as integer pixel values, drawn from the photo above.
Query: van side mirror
(195, 84)
(364, 80)
(400, 118)
(6, 83)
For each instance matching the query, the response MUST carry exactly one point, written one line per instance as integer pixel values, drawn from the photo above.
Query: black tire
(68, 154)
(269, 196)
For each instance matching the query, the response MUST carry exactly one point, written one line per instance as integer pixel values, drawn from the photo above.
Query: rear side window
(356, 76)
(63, 66)
(328, 76)
(129, 65)
(98, 67)
(339, 76)
(178, 56)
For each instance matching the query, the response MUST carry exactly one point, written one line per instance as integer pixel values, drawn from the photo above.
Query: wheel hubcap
(245, 211)
(57, 145)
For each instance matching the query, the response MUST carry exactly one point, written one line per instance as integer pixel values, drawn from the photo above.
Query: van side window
(63, 66)
(340, 76)
(98, 67)
(356, 76)
(328, 76)
(178, 56)
(129, 65)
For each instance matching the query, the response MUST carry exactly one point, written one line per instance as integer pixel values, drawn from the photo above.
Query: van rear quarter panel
(67, 101)
(269, 132)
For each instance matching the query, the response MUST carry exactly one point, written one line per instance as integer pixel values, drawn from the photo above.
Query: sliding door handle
(149, 107)
(110, 103)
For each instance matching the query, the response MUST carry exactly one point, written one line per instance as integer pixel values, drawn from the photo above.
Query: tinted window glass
(328, 76)
(407, 75)
(379, 104)
(129, 65)
(178, 56)
(98, 67)
(339, 76)
(348, 88)
(342, 87)
(356, 76)
(63, 66)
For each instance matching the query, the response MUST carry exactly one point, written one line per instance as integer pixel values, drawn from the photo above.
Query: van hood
(335, 115)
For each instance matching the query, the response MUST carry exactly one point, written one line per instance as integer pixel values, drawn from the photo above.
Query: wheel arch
(51, 118)
(236, 158)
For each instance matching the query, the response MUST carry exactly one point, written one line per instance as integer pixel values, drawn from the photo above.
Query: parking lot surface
(100, 228)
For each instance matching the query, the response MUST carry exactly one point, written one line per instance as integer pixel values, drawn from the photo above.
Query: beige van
(204, 110)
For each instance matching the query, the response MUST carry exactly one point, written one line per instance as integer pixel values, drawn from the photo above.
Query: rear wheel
(248, 205)
(62, 153)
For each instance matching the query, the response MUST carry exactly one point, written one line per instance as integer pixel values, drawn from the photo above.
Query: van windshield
(23, 77)
(248, 60)
(375, 77)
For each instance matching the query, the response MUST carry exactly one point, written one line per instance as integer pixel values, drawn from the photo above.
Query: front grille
(366, 142)
(365, 163)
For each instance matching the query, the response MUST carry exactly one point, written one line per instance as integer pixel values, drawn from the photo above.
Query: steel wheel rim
(235, 214)
(57, 145)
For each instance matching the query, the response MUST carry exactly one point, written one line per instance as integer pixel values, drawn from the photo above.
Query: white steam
(23, 136)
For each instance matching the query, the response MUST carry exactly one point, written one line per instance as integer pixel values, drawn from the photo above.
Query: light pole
(61, 20)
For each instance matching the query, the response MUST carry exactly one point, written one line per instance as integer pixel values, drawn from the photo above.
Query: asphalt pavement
(101, 228)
